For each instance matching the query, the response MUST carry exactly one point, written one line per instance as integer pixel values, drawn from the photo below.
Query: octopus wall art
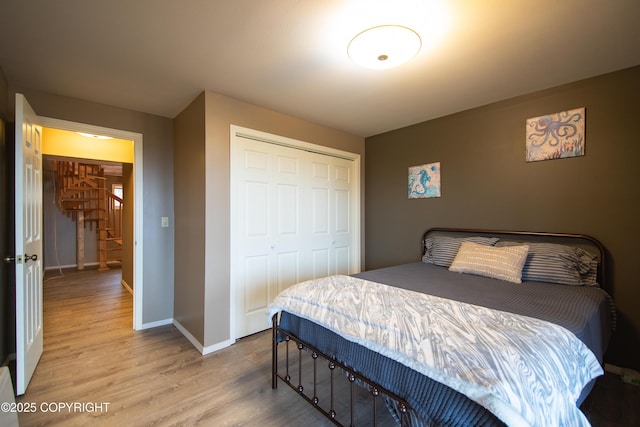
(424, 181)
(556, 136)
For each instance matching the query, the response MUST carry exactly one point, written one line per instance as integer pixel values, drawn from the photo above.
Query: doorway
(136, 188)
(85, 223)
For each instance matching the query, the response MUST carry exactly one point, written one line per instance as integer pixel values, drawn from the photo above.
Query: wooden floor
(156, 377)
(151, 377)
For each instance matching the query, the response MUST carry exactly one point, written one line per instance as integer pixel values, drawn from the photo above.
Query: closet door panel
(292, 221)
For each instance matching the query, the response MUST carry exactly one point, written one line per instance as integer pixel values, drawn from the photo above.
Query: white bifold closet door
(293, 218)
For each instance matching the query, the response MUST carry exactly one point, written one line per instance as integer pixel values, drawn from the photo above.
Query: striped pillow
(441, 250)
(504, 263)
(557, 263)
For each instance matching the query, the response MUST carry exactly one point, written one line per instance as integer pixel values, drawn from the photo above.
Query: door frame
(239, 131)
(137, 194)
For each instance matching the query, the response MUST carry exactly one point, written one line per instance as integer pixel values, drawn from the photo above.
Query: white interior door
(294, 218)
(28, 235)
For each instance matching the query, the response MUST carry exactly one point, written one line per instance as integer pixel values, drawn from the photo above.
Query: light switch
(165, 221)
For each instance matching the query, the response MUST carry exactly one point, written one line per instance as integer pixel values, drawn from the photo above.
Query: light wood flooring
(156, 377)
(150, 377)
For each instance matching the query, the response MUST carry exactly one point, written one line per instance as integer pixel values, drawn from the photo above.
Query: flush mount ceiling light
(90, 135)
(385, 46)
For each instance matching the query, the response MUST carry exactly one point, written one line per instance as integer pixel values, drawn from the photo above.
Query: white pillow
(504, 263)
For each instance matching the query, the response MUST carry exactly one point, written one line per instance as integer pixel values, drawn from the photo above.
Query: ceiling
(290, 55)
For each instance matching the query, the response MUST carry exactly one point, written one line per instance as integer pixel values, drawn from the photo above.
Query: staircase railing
(114, 217)
(82, 194)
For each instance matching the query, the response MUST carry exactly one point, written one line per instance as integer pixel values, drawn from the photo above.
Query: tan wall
(486, 183)
(221, 113)
(189, 182)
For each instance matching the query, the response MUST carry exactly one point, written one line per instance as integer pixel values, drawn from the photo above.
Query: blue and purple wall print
(556, 136)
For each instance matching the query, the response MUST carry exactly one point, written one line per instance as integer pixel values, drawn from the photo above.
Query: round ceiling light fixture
(385, 46)
(90, 135)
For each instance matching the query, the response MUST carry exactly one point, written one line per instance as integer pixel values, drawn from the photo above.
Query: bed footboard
(304, 372)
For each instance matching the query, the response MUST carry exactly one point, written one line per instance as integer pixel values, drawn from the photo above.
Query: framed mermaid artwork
(424, 181)
(556, 136)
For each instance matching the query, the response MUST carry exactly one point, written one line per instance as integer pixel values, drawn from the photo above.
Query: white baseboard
(86, 264)
(215, 347)
(203, 350)
(188, 336)
(8, 417)
(10, 358)
(156, 324)
(627, 375)
(58, 267)
(126, 286)
(613, 369)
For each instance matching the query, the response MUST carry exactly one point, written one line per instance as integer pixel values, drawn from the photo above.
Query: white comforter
(526, 371)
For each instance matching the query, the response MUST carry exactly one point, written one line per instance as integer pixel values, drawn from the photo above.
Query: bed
(487, 328)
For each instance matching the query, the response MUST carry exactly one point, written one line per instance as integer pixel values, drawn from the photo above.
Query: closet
(294, 216)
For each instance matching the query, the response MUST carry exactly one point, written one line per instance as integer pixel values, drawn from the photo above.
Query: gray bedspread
(583, 310)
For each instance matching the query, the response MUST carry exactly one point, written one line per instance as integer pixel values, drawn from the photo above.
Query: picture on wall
(556, 136)
(424, 181)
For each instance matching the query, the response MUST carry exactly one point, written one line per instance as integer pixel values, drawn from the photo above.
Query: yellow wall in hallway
(71, 144)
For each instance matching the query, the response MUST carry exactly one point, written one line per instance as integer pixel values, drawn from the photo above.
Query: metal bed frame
(402, 408)
(355, 380)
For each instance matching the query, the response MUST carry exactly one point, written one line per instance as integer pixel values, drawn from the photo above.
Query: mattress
(585, 311)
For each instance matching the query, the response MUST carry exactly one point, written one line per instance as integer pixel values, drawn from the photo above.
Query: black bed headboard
(583, 241)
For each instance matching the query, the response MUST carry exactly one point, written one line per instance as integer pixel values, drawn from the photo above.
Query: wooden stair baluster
(81, 193)
(102, 223)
